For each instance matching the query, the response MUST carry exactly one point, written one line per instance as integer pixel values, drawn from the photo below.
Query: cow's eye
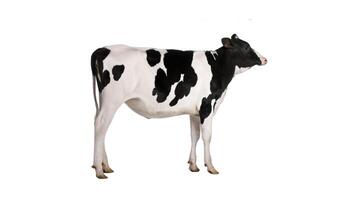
(246, 48)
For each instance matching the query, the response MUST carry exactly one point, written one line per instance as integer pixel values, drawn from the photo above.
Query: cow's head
(241, 54)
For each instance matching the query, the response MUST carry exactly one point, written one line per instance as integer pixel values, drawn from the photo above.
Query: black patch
(223, 72)
(177, 63)
(153, 57)
(105, 79)
(205, 109)
(117, 71)
(102, 78)
(162, 86)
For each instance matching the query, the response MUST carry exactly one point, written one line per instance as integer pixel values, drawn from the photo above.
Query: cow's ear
(234, 36)
(226, 42)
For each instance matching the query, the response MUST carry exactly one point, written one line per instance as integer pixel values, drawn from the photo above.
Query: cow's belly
(159, 110)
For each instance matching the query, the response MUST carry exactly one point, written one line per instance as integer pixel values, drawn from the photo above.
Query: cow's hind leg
(195, 134)
(102, 122)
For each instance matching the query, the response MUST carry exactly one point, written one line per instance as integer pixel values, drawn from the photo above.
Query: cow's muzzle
(263, 60)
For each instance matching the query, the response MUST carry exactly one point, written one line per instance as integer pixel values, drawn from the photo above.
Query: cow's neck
(222, 68)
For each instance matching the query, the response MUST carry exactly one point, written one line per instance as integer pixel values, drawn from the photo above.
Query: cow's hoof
(105, 169)
(193, 168)
(101, 176)
(213, 171)
(108, 170)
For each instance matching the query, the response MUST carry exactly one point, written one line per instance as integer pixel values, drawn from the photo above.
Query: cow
(158, 83)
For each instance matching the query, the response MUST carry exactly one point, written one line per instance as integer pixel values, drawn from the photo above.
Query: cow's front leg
(195, 134)
(206, 133)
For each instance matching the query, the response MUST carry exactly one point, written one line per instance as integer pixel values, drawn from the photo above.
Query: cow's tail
(94, 70)
(94, 93)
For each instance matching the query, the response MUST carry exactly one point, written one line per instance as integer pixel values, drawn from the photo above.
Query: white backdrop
(285, 131)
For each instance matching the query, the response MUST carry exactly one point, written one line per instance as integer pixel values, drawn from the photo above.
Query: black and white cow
(158, 83)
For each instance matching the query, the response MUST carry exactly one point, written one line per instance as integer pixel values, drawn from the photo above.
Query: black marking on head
(117, 71)
(102, 77)
(241, 52)
(177, 63)
(153, 57)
